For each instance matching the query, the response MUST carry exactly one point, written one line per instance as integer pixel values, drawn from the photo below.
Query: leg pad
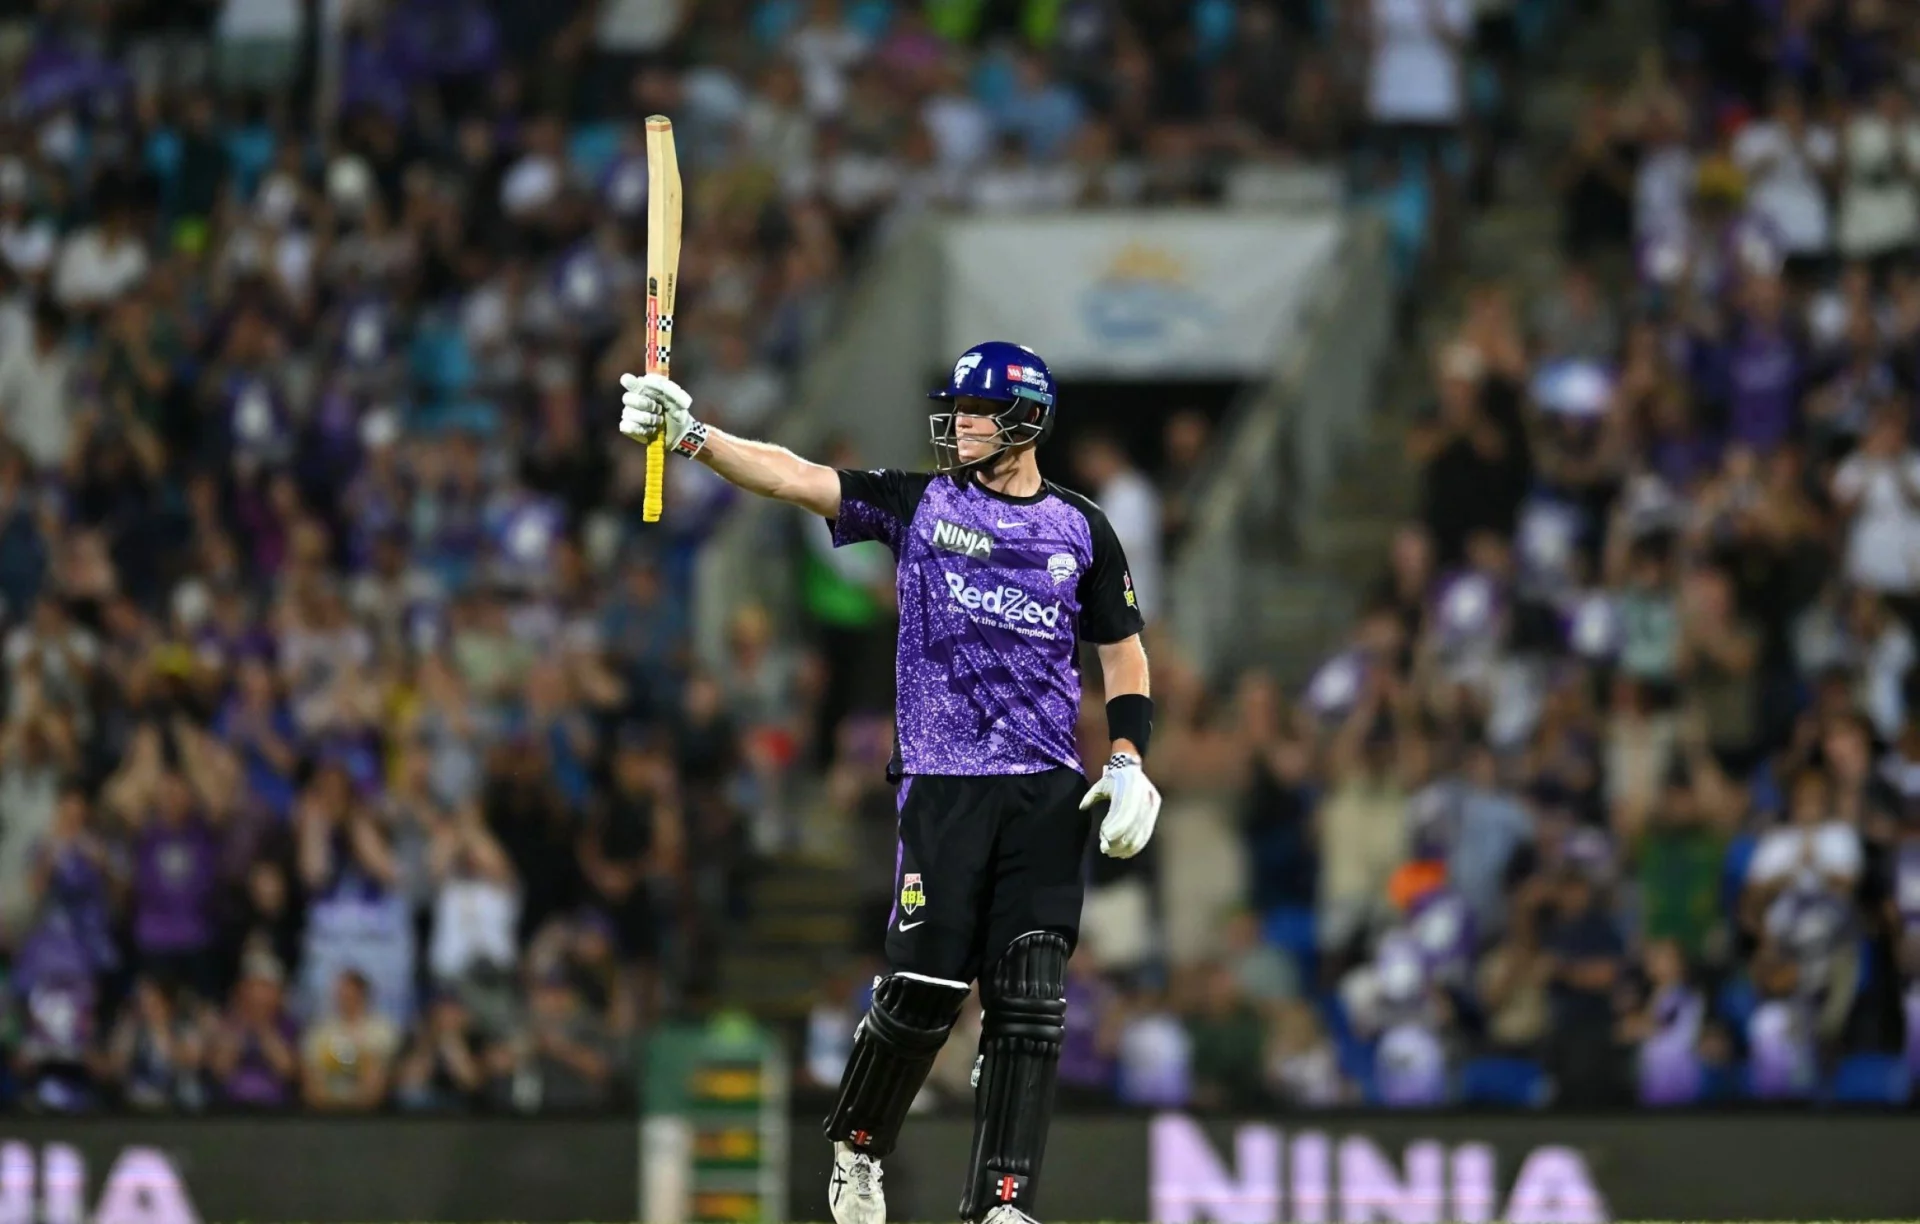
(1023, 1023)
(893, 1050)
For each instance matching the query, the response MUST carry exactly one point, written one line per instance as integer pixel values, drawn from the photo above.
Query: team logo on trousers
(912, 896)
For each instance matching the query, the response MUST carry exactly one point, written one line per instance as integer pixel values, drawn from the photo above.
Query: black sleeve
(877, 504)
(1109, 612)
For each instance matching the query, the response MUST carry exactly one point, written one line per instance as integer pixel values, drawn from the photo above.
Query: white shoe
(1007, 1213)
(854, 1194)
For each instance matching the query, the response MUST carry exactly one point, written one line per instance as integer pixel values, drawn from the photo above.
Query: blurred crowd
(354, 752)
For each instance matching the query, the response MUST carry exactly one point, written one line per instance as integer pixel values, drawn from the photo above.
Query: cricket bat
(663, 277)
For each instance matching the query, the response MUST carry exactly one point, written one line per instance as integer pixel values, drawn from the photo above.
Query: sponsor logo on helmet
(964, 367)
(1008, 606)
(963, 540)
(1026, 375)
(1060, 567)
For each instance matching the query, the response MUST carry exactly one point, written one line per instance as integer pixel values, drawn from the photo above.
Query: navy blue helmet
(997, 372)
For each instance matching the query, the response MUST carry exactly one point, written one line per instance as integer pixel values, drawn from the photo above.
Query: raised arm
(656, 406)
(773, 471)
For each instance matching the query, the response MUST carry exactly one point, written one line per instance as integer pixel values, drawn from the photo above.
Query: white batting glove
(1133, 805)
(656, 406)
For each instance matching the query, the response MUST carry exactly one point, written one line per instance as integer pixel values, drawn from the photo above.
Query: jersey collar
(1038, 495)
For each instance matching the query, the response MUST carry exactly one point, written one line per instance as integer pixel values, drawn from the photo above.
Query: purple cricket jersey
(995, 594)
(176, 872)
(1763, 386)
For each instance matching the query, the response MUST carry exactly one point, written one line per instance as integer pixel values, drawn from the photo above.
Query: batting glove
(1133, 805)
(656, 406)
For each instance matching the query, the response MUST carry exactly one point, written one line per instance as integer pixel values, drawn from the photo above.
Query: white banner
(1183, 294)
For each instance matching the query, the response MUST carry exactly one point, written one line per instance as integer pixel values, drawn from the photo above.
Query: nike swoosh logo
(1003, 526)
(908, 926)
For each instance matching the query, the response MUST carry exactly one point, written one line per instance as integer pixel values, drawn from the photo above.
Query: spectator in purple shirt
(1667, 1030)
(1780, 1040)
(371, 75)
(452, 42)
(253, 1057)
(176, 855)
(256, 723)
(59, 1062)
(56, 980)
(1760, 368)
(68, 885)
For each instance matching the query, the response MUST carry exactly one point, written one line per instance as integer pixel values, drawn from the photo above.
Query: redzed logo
(1009, 603)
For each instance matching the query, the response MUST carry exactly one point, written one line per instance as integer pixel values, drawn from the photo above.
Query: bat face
(663, 274)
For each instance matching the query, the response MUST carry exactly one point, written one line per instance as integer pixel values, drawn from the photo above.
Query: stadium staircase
(798, 929)
(1332, 552)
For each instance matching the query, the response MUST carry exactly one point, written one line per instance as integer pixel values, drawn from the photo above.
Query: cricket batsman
(1001, 575)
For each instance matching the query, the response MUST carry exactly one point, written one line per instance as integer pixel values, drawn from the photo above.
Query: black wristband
(1130, 717)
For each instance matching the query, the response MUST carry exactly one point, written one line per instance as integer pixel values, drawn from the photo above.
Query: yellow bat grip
(656, 480)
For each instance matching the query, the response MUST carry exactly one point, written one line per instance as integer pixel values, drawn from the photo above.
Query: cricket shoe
(1007, 1213)
(854, 1194)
